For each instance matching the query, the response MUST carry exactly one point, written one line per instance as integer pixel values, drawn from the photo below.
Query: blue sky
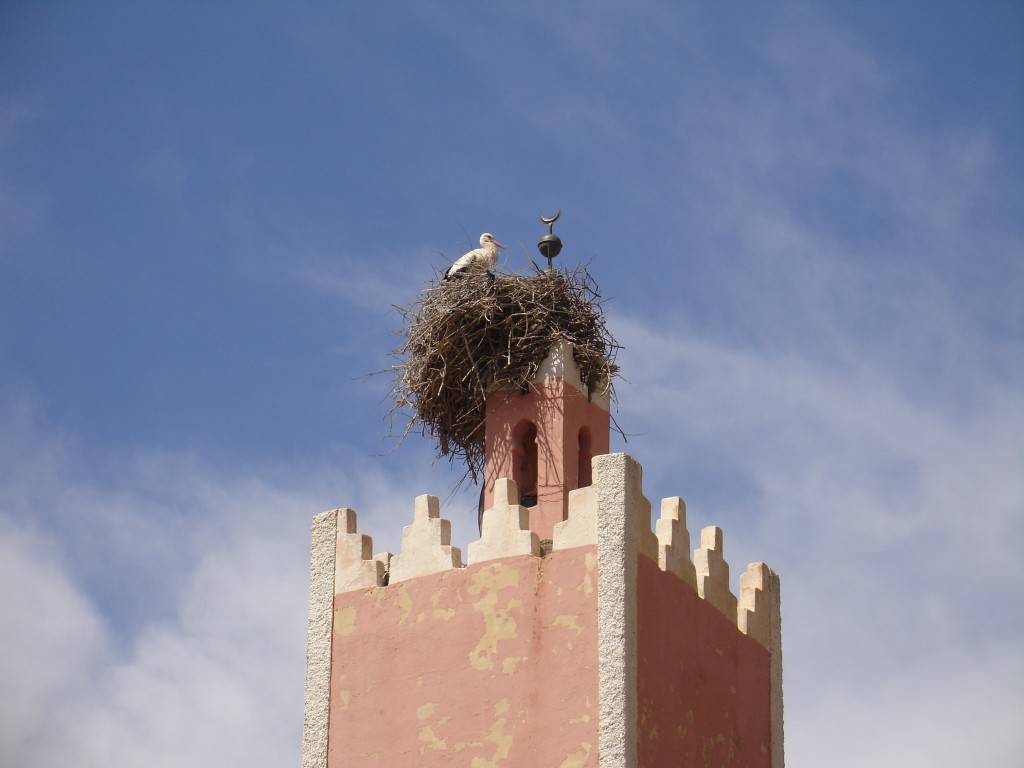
(808, 220)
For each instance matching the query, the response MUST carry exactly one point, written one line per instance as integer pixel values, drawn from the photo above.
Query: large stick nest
(471, 336)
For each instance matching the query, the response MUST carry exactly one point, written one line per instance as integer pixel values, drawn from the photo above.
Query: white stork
(485, 256)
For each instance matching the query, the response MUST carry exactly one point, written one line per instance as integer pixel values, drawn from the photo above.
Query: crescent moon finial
(551, 244)
(550, 221)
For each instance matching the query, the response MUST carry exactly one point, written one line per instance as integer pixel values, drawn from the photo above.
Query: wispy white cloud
(225, 660)
(963, 709)
(52, 642)
(893, 462)
(847, 229)
(204, 662)
(371, 284)
(856, 420)
(894, 520)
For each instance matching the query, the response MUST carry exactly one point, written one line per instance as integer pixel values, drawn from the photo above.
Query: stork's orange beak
(498, 244)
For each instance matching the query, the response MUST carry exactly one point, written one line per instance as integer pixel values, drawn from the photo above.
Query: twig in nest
(442, 386)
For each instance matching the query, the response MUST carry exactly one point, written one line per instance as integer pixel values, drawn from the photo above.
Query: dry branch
(468, 337)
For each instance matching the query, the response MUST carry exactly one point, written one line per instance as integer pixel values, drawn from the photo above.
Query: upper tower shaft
(544, 437)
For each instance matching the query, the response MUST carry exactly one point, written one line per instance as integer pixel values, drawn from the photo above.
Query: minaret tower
(544, 437)
(607, 647)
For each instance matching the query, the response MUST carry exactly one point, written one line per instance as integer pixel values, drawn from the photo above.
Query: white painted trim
(426, 544)
(506, 527)
(560, 364)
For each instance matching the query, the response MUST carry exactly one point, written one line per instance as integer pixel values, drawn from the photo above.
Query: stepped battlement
(574, 633)
(426, 546)
(614, 642)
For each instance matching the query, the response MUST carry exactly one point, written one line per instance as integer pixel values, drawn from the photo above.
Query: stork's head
(487, 239)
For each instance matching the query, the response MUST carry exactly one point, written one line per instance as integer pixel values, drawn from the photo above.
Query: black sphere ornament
(551, 244)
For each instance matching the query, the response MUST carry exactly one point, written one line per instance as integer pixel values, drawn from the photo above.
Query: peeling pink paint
(492, 665)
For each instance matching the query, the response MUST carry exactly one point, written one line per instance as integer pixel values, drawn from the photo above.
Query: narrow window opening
(583, 471)
(525, 455)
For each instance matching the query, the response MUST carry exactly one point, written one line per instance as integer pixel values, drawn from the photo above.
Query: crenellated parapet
(674, 540)
(713, 572)
(505, 529)
(426, 546)
(355, 567)
(760, 618)
(653, 621)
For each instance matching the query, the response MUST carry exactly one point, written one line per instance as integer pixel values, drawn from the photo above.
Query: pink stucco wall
(703, 695)
(491, 665)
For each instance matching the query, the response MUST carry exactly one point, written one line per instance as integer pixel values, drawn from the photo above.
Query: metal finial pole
(551, 244)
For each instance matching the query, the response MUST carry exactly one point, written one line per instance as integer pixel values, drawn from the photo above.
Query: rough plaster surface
(491, 666)
(506, 527)
(354, 565)
(674, 540)
(560, 364)
(318, 639)
(760, 617)
(713, 572)
(580, 528)
(617, 483)
(426, 544)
